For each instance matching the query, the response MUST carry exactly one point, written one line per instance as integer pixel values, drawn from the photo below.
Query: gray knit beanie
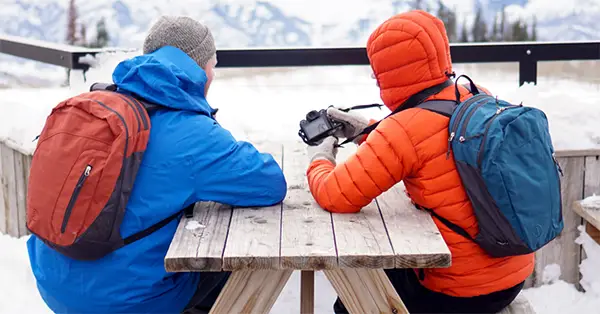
(192, 37)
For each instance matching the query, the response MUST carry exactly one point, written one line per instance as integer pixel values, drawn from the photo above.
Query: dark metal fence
(526, 54)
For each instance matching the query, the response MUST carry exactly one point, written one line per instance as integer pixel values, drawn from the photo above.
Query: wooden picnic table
(263, 246)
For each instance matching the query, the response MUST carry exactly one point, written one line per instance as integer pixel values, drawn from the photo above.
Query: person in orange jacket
(409, 53)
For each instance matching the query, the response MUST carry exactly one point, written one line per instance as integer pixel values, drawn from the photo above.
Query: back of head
(187, 34)
(408, 53)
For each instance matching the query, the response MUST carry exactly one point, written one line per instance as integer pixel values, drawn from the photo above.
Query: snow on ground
(262, 107)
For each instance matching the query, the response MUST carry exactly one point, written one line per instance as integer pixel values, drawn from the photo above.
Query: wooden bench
(589, 210)
(263, 246)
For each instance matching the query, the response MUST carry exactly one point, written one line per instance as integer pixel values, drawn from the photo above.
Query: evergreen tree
(534, 29)
(71, 23)
(448, 17)
(464, 34)
(503, 35)
(83, 36)
(102, 37)
(495, 31)
(418, 5)
(479, 30)
(519, 31)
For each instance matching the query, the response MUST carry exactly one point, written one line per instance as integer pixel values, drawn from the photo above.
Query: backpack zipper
(487, 128)
(78, 186)
(458, 118)
(463, 130)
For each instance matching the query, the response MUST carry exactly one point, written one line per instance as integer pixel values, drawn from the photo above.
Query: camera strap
(411, 102)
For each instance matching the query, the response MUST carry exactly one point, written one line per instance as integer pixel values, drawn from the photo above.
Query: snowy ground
(269, 107)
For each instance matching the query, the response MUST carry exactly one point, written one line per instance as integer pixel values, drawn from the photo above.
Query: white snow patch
(592, 201)
(193, 225)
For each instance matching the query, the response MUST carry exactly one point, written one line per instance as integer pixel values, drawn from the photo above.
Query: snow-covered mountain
(267, 23)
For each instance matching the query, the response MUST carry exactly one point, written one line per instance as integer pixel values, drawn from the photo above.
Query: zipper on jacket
(458, 118)
(487, 128)
(78, 186)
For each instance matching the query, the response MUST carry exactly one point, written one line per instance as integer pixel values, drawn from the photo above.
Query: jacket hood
(168, 77)
(408, 53)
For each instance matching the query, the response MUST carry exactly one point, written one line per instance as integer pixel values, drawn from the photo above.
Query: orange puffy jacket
(409, 53)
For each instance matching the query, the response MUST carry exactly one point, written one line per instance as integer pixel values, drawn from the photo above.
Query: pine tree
(448, 17)
(102, 37)
(71, 23)
(534, 29)
(479, 30)
(464, 34)
(503, 35)
(83, 36)
(418, 5)
(495, 31)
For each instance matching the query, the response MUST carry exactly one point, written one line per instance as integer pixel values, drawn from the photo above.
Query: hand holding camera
(336, 122)
(352, 123)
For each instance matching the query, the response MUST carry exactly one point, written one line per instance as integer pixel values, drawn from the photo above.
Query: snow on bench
(262, 246)
(589, 210)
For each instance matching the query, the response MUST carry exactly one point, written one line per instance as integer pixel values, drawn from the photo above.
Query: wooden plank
(593, 232)
(365, 291)
(307, 292)
(251, 291)
(254, 240)
(307, 231)
(199, 241)
(589, 212)
(361, 238)
(21, 171)
(10, 190)
(563, 250)
(26, 169)
(577, 152)
(3, 195)
(416, 240)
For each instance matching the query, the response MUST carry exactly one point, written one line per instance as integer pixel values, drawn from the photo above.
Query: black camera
(317, 126)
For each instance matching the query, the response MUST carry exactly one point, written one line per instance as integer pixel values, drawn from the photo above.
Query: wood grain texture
(251, 291)
(307, 292)
(201, 248)
(9, 189)
(591, 214)
(21, 173)
(307, 232)
(365, 291)
(254, 240)
(563, 250)
(577, 152)
(4, 205)
(361, 238)
(416, 240)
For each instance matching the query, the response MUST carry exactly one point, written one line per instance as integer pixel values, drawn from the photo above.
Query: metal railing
(526, 54)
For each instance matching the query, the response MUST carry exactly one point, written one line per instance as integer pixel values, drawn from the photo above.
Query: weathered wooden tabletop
(299, 235)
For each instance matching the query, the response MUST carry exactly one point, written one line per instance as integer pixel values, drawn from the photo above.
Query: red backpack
(83, 170)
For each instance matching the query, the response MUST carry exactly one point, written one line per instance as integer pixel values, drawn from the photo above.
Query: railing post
(528, 68)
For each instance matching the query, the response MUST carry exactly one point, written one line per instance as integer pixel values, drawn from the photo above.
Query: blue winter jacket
(189, 158)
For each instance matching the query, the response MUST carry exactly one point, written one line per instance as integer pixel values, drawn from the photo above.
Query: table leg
(365, 291)
(307, 292)
(251, 291)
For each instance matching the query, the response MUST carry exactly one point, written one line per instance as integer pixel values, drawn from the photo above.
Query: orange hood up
(409, 53)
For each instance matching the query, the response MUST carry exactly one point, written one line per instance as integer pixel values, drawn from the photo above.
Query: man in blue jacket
(189, 158)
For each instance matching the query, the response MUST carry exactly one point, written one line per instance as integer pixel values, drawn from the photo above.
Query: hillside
(252, 23)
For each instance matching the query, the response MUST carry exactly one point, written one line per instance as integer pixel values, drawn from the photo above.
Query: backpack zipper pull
(450, 138)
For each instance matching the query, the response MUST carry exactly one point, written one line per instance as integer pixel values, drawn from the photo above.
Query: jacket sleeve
(385, 158)
(234, 172)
